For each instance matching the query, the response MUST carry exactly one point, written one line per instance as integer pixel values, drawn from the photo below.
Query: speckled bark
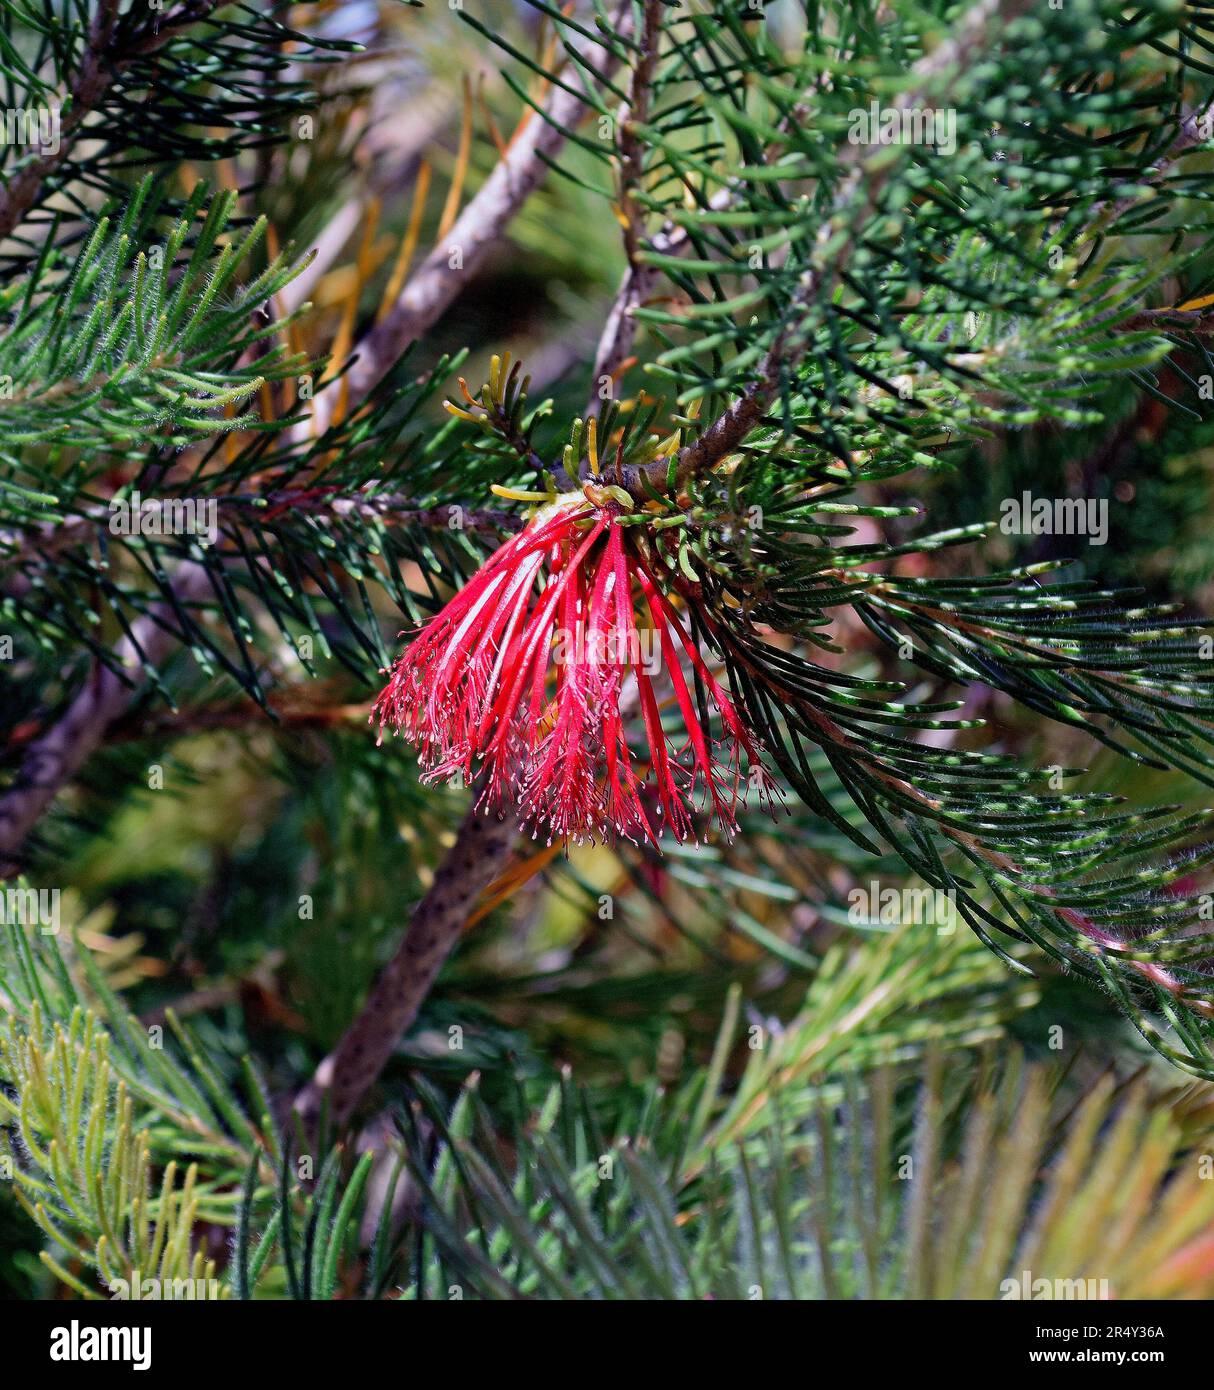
(480, 853)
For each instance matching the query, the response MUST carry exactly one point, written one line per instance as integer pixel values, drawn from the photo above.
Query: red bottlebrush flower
(526, 673)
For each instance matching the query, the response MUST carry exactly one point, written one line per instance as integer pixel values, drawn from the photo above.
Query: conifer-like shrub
(603, 641)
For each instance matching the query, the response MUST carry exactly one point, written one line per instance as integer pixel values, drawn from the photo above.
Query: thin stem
(639, 279)
(458, 256)
(480, 853)
(853, 203)
(55, 757)
(35, 544)
(112, 46)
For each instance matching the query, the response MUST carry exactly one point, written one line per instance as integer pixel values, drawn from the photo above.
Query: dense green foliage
(679, 1075)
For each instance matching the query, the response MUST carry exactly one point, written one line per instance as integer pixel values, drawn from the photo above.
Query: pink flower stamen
(524, 675)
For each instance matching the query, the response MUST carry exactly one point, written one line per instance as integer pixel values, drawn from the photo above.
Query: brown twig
(868, 175)
(479, 228)
(639, 278)
(54, 758)
(481, 850)
(111, 48)
(34, 543)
